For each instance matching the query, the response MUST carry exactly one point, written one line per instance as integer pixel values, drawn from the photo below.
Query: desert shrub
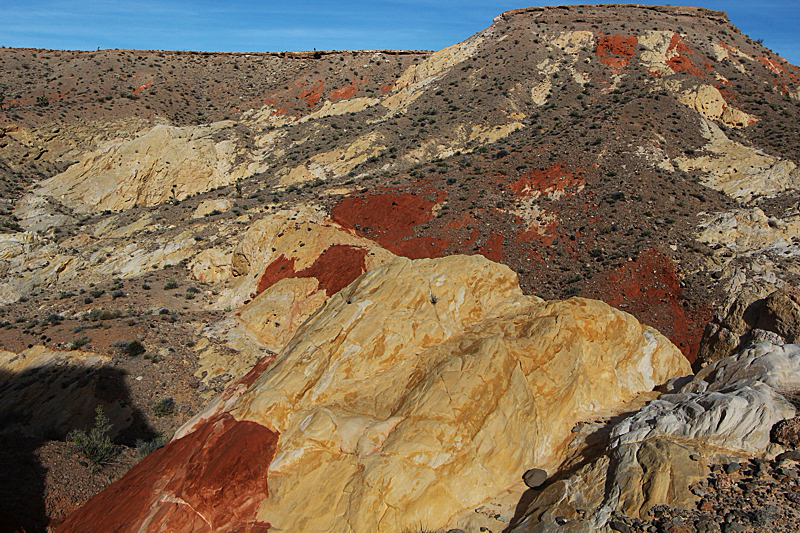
(163, 407)
(130, 348)
(95, 445)
(77, 344)
(146, 447)
(171, 284)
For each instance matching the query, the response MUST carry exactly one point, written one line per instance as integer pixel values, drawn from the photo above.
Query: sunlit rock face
(421, 389)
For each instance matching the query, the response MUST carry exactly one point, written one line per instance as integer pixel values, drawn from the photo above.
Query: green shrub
(96, 445)
(131, 348)
(77, 344)
(146, 447)
(163, 407)
(171, 284)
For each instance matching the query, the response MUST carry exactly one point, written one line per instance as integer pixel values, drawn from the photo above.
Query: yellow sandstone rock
(427, 386)
(739, 171)
(708, 101)
(166, 162)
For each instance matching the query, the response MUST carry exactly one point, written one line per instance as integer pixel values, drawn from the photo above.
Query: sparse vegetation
(95, 445)
(164, 407)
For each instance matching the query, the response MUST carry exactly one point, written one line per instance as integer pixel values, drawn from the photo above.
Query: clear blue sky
(270, 26)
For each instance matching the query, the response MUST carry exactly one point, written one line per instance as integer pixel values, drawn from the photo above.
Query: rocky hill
(187, 238)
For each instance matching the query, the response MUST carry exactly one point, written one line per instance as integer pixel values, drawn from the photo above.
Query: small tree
(42, 101)
(95, 445)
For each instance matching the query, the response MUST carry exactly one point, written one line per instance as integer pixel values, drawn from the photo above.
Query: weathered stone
(781, 314)
(787, 432)
(750, 318)
(535, 477)
(739, 171)
(164, 163)
(723, 415)
(420, 377)
(206, 207)
(708, 101)
(212, 480)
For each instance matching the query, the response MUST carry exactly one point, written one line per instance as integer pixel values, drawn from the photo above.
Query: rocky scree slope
(577, 150)
(642, 156)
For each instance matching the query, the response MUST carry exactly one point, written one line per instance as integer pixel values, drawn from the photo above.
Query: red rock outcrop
(211, 480)
(616, 52)
(334, 269)
(389, 219)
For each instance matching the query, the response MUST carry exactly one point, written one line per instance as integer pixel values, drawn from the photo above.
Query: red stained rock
(616, 51)
(279, 269)
(386, 89)
(349, 91)
(335, 269)
(548, 181)
(649, 289)
(544, 236)
(680, 62)
(211, 480)
(493, 249)
(255, 372)
(143, 88)
(771, 65)
(312, 95)
(390, 219)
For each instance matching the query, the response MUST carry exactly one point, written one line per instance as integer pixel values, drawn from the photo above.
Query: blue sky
(247, 26)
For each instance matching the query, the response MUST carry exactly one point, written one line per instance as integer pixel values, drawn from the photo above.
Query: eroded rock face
(750, 318)
(419, 379)
(739, 171)
(166, 162)
(212, 480)
(725, 412)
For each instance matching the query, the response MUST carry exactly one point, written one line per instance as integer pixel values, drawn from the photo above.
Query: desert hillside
(403, 278)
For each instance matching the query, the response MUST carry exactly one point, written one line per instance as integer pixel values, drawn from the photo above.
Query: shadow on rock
(44, 403)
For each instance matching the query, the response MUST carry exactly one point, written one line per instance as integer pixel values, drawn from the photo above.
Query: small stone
(732, 468)
(620, 526)
(694, 457)
(560, 520)
(534, 477)
(793, 455)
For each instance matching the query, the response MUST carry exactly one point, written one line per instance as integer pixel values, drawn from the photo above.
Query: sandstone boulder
(415, 393)
(206, 207)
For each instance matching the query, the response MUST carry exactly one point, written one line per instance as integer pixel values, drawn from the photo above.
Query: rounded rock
(535, 477)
